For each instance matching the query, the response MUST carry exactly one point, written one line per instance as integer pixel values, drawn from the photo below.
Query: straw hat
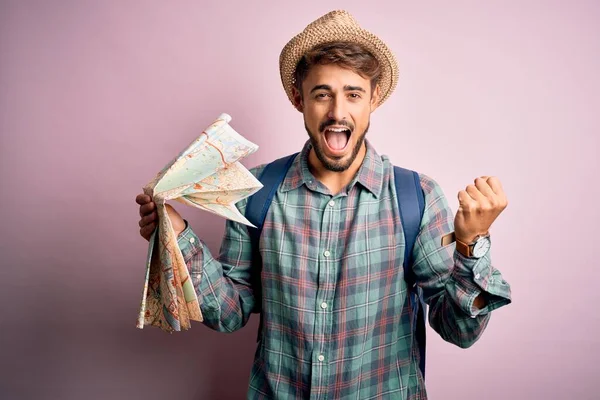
(337, 25)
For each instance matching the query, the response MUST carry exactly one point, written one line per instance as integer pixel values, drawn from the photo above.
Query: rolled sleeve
(472, 277)
(188, 243)
(450, 281)
(191, 248)
(224, 285)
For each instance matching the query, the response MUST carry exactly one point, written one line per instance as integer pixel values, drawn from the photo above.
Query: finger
(463, 197)
(485, 189)
(475, 194)
(147, 230)
(499, 190)
(142, 199)
(495, 184)
(147, 220)
(147, 208)
(465, 201)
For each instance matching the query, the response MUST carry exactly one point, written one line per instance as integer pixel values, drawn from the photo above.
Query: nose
(337, 111)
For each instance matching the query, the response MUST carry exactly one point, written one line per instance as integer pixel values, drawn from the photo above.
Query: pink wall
(96, 96)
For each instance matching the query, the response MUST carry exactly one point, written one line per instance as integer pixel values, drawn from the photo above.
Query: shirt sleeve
(451, 281)
(225, 286)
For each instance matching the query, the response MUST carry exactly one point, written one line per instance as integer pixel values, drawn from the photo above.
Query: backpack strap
(256, 211)
(258, 204)
(411, 203)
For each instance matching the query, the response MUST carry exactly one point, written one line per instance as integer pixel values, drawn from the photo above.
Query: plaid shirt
(335, 305)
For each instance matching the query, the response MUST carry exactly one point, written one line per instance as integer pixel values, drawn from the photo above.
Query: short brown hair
(348, 55)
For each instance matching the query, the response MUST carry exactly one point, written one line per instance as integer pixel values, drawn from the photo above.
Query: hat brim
(303, 42)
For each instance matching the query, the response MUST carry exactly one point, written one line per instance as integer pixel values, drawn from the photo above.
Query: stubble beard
(339, 165)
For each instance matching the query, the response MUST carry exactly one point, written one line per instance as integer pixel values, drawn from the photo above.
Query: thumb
(176, 219)
(171, 210)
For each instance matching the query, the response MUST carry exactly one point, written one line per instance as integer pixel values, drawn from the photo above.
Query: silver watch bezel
(475, 245)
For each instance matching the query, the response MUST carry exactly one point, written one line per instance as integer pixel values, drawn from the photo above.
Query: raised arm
(461, 291)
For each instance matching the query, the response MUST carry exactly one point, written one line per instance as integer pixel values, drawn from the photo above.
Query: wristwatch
(477, 248)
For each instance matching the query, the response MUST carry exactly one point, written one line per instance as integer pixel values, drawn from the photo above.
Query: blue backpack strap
(411, 203)
(258, 204)
(256, 211)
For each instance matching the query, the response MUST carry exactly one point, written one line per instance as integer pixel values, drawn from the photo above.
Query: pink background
(96, 96)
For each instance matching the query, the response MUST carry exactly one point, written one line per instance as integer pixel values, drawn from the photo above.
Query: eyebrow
(347, 88)
(321, 87)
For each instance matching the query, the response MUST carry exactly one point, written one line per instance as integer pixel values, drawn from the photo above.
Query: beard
(336, 165)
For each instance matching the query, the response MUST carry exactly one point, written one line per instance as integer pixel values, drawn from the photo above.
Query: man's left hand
(479, 206)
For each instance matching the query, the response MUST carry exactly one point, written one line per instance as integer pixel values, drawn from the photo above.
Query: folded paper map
(206, 175)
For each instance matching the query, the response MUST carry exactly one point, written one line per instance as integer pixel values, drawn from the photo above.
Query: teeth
(337, 129)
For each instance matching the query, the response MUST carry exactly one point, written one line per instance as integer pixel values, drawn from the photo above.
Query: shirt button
(192, 240)
(327, 253)
(478, 276)
(323, 305)
(331, 203)
(321, 357)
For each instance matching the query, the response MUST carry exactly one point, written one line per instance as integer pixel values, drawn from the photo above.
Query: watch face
(481, 247)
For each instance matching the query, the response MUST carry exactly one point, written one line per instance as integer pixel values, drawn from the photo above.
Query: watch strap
(464, 248)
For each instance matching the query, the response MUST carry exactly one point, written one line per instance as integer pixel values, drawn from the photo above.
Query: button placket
(327, 267)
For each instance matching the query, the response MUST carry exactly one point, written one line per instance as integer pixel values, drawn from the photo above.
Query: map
(207, 175)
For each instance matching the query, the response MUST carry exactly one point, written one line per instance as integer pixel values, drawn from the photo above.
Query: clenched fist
(149, 217)
(479, 206)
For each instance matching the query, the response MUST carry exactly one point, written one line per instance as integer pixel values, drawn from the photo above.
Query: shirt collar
(370, 173)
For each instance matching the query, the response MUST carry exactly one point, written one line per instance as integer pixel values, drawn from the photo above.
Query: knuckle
(470, 207)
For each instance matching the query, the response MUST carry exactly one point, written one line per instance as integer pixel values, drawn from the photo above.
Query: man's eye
(322, 95)
(355, 95)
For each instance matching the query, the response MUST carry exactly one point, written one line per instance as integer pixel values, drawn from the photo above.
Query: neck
(335, 181)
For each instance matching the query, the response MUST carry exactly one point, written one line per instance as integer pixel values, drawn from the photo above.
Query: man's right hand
(149, 217)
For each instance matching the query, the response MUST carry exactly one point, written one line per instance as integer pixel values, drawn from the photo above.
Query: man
(336, 311)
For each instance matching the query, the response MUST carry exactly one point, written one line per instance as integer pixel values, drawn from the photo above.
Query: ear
(375, 98)
(298, 101)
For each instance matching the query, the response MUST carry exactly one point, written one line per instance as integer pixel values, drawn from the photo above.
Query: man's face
(337, 105)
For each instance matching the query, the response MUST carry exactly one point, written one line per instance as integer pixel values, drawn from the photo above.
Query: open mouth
(337, 138)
